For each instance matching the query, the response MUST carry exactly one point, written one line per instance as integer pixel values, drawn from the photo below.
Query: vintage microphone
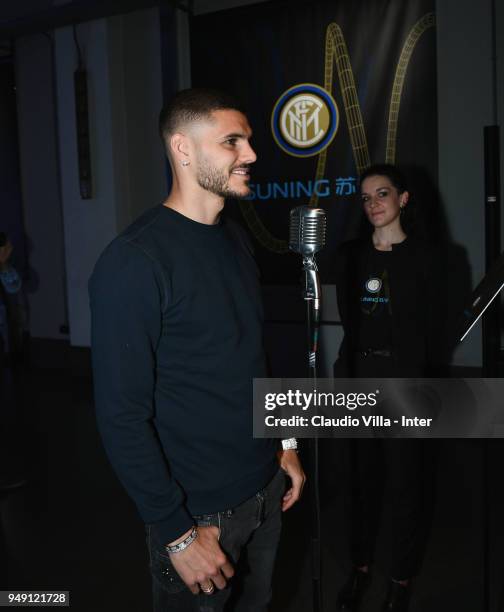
(307, 237)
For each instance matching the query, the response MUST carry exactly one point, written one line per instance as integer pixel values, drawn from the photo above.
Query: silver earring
(185, 162)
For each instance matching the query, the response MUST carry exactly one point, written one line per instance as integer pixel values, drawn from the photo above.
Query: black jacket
(417, 308)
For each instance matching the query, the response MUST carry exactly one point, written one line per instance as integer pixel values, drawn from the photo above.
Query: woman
(385, 289)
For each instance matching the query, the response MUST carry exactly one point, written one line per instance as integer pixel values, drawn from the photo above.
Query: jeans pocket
(161, 566)
(275, 489)
(210, 520)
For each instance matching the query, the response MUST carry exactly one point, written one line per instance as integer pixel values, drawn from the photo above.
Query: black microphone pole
(307, 236)
(312, 319)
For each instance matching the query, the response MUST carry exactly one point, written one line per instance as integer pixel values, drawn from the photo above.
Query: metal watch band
(289, 444)
(176, 548)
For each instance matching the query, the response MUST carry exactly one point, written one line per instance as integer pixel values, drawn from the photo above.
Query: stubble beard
(215, 181)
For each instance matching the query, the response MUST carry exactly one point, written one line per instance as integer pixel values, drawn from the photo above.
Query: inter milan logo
(373, 285)
(304, 120)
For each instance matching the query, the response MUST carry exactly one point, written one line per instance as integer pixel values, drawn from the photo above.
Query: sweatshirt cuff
(173, 527)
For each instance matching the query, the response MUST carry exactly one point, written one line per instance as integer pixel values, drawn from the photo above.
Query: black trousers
(387, 489)
(388, 483)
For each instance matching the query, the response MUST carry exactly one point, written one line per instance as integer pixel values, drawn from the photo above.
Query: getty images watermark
(317, 399)
(371, 407)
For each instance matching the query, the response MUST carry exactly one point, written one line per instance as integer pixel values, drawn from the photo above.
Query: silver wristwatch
(289, 444)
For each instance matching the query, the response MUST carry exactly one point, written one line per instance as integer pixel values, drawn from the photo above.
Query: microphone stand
(311, 294)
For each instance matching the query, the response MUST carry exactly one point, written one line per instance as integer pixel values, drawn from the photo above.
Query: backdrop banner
(329, 88)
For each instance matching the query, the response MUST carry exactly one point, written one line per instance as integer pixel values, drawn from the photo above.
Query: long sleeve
(127, 296)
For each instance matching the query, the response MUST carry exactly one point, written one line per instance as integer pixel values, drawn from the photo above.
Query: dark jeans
(249, 535)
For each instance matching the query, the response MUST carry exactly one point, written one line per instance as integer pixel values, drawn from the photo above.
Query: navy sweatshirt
(176, 341)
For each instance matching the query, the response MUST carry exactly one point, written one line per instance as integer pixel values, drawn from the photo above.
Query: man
(177, 340)
(12, 328)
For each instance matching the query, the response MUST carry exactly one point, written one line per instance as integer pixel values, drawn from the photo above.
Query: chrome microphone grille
(307, 230)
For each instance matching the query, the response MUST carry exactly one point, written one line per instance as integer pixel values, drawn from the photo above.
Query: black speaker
(491, 320)
(83, 144)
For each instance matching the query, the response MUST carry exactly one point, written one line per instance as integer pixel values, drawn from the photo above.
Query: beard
(217, 181)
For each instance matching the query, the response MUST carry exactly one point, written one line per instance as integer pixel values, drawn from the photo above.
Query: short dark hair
(395, 176)
(190, 105)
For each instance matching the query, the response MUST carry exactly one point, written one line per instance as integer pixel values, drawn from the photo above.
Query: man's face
(223, 154)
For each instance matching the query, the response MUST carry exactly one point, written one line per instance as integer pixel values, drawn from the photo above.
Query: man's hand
(202, 562)
(290, 464)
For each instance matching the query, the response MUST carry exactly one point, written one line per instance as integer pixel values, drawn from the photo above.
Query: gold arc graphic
(426, 22)
(336, 50)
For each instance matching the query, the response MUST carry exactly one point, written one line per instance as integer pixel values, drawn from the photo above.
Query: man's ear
(179, 148)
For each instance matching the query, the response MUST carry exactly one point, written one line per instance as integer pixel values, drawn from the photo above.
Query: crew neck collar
(395, 246)
(203, 228)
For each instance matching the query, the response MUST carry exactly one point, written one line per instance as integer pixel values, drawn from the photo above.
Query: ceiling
(12, 11)
(24, 17)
